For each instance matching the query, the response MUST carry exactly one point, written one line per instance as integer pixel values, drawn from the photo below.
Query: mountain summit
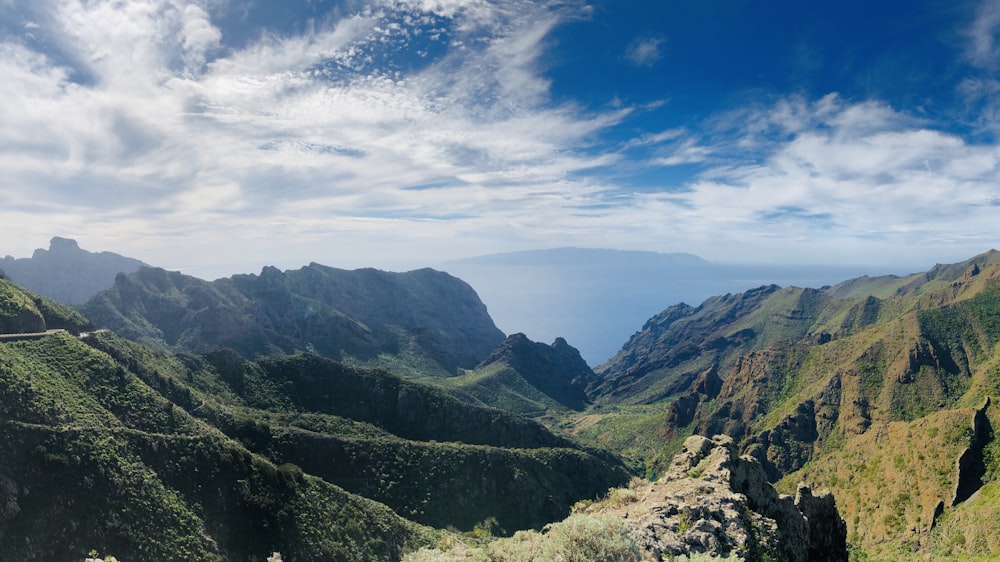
(67, 273)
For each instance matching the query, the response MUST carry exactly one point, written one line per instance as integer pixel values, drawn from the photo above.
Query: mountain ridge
(65, 272)
(429, 316)
(805, 380)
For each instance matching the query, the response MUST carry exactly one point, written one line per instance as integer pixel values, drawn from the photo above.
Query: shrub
(579, 538)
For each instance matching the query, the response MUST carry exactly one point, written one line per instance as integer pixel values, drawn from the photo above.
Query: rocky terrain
(712, 501)
(813, 382)
(710, 504)
(310, 387)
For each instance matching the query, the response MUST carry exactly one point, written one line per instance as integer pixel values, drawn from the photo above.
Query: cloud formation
(645, 51)
(412, 131)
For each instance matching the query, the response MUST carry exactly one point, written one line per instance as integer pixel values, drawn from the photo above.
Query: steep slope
(596, 298)
(66, 273)
(681, 342)
(114, 446)
(527, 377)
(429, 456)
(424, 321)
(24, 312)
(834, 390)
(94, 458)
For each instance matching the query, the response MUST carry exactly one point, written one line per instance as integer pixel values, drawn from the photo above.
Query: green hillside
(126, 450)
(882, 390)
(95, 459)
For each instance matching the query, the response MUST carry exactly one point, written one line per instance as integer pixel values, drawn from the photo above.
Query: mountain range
(65, 272)
(114, 446)
(428, 320)
(881, 389)
(596, 298)
(394, 397)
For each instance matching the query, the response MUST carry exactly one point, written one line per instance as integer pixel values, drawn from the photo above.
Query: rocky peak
(558, 370)
(65, 272)
(59, 244)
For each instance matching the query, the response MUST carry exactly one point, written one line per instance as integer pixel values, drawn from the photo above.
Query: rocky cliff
(527, 377)
(866, 388)
(712, 501)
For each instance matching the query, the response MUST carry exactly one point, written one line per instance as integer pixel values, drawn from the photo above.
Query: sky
(216, 136)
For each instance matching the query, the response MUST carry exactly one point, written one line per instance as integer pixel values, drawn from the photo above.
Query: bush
(577, 539)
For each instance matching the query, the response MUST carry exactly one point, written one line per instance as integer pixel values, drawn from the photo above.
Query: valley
(366, 415)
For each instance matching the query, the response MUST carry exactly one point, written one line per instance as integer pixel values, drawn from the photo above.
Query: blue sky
(218, 136)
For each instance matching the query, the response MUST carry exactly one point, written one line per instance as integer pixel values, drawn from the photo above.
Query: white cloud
(983, 50)
(156, 126)
(645, 51)
(146, 131)
(200, 36)
(861, 174)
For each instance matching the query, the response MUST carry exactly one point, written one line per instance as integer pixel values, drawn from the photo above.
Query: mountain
(526, 377)
(595, 298)
(143, 454)
(66, 273)
(882, 389)
(424, 321)
(94, 458)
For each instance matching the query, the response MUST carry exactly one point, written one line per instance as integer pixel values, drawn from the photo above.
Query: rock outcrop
(713, 502)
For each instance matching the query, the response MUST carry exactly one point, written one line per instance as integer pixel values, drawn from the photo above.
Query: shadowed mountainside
(526, 377)
(148, 455)
(66, 273)
(426, 320)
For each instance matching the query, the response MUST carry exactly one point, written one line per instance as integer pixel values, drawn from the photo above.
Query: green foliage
(636, 433)
(15, 301)
(94, 453)
(343, 424)
(579, 538)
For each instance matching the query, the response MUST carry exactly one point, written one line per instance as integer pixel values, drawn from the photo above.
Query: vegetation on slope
(94, 458)
(429, 456)
(527, 377)
(879, 397)
(22, 311)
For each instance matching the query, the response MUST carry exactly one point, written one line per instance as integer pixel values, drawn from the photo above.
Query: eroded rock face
(712, 501)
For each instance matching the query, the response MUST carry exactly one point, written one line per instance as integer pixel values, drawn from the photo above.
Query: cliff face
(528, 377)
(423, 316)
(709, 504)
